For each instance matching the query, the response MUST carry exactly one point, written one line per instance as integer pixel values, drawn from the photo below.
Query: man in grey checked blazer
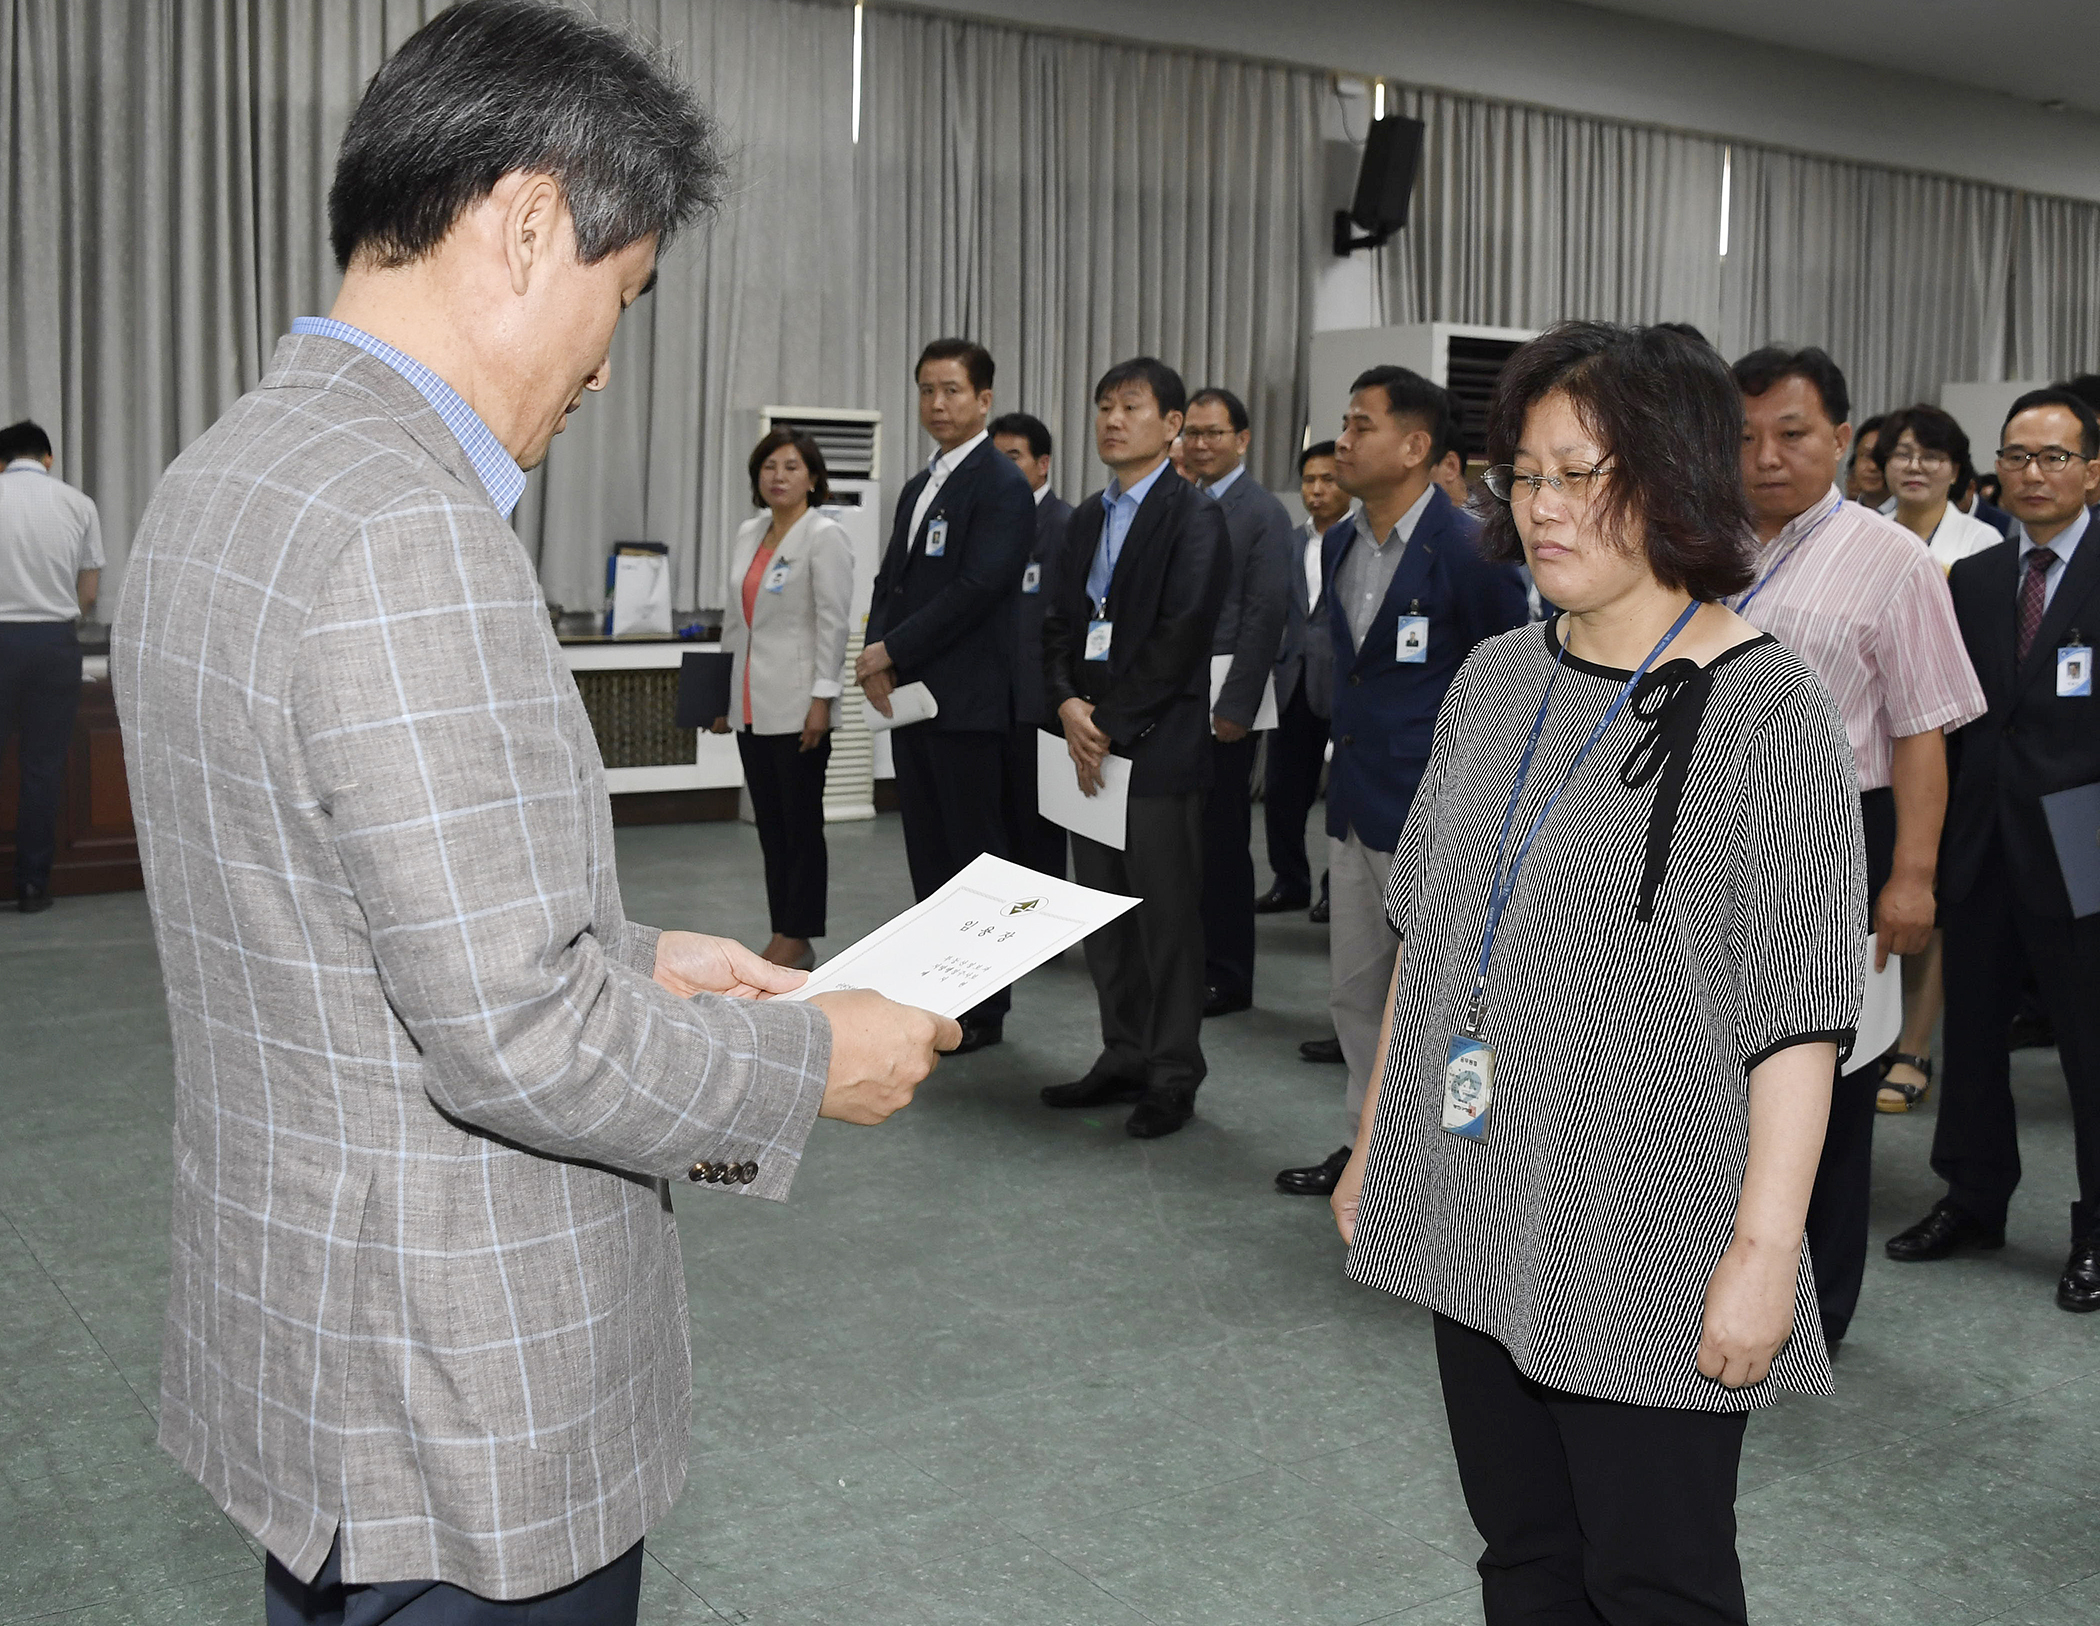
(428, 1318)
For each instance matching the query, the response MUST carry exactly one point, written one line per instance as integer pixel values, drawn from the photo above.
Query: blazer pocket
(547, 1345)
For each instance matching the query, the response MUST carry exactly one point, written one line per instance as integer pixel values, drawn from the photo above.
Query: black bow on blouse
(1671, 700)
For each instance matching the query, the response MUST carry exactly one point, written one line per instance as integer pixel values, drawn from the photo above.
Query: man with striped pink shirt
(1858, 598)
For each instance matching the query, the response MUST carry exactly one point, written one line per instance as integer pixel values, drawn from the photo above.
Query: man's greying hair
(494, 87)
(1235, 408)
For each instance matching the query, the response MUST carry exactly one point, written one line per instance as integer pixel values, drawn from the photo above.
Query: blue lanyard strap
(1822, 519)
(1502, 888)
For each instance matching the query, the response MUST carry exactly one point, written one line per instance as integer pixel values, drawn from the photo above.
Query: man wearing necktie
(2029, 609)
(941, 615)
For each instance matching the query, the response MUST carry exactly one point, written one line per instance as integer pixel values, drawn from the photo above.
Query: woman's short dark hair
(1934, 431)
(1669, 416)
(492, 87)
(812, 459)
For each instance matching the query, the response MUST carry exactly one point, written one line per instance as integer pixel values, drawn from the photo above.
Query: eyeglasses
(2052, 459)
(1577, 485)
(1208, 435)
(1923, 460)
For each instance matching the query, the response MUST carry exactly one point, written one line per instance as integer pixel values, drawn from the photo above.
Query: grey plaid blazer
(427, 1289)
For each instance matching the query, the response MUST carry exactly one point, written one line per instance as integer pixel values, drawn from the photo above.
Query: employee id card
(1099, 635)
(777, 577)
(1032, 579)
(2074, 671)
(936, 537)
(1469, 1086)
(1414, 639)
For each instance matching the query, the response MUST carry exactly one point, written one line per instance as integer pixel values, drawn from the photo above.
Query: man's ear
(1173, 421)
(1844, 439)
(532, 218)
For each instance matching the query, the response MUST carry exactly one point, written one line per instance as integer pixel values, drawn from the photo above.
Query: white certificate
(988, 927)
(1880, 1012)
(1103, 816)
(1264, 714)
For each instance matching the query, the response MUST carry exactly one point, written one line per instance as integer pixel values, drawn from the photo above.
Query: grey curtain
(1070, 203)
(2055, 317)
(1526, 217)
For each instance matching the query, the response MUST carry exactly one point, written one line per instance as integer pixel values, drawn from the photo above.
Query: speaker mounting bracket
(1346, 242)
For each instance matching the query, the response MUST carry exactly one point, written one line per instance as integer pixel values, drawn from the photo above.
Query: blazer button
(1348, 739)
(1356, 680)
(699, 1172)
(746, 1173)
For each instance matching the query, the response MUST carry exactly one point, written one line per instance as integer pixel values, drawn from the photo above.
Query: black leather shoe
(979, 1036)
(1092, 1091)
(1276, 901)
(1320, 1050)
(1320, 912)
(1216, 1002)
(1943, 1231)
(2078, 1289)
(1317, 1181)
(1162, 1114)
(34, 900)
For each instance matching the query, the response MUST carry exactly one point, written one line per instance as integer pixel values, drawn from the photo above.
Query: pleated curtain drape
(1068, 201)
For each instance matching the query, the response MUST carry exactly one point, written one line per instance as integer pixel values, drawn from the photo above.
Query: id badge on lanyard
(2074, 670)
(936, 536)
(1099, 635)
(1469, 1065)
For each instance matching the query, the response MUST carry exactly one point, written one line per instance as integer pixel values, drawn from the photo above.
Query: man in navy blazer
(2029, 610)
(1031, 839)
(1126, 665)
(1408, 596)
(940, 615)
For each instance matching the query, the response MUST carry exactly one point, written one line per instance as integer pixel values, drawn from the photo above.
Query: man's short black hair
(1670, 421)
(1686, 329)
(24, 439)
(1235, 408)
(1031, 429)
(2086, 386)
(1165, 384)
(2088, 420)
(1319, 448)
(1761, 369)
(493, 87)
(976, 360)
(1868, 428)
(1410, 395)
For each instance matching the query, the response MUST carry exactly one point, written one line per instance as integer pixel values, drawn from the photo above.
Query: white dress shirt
(943, 465)
(49, 534)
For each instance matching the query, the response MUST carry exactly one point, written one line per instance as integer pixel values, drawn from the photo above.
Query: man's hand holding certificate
(988, 927)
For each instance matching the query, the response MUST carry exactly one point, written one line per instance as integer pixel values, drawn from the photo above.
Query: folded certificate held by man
(990, 926)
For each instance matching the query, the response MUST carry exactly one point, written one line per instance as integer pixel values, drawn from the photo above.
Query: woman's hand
(719, 726)
(1749, 1312)
(1348, 1191)
(816, 725)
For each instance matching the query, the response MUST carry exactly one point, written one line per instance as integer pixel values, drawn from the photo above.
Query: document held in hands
(988, 927)
(1880, 1012)
(909, 703)
(1103, 816)
(1264, 714)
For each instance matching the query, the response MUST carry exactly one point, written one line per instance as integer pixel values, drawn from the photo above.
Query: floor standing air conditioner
(851, 441)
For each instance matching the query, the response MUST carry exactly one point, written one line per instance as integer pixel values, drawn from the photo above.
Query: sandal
(1910, 1094)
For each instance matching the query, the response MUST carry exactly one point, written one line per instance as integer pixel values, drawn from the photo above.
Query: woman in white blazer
(791, 572)
(1924, 456)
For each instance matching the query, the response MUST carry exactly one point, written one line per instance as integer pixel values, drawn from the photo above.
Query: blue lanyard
(1500, 890)
(1801, 542)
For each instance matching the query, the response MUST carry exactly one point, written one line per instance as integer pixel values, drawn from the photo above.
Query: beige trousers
(1361, 948)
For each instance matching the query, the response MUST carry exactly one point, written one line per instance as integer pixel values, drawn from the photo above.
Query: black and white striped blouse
(1695, 903)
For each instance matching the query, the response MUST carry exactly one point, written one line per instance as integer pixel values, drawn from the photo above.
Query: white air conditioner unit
(851, 441)
(1465, 359)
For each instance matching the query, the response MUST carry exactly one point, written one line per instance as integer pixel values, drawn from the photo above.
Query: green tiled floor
(994, 1364)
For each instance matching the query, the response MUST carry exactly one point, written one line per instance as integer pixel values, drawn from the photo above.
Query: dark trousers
(1837, 1206)
(949, 789)
(1297, 747)
(39, 693)
(787, 799)
(1031, 839)
(1147, 964)
(1993, 943)
(605, 1597)
(1228, 869)
(1593, 1511)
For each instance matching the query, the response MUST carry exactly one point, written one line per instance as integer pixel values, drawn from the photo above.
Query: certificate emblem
(1025, 907)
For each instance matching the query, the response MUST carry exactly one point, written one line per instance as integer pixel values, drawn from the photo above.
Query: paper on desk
(910, 703)
(1880, 1013)
(988, 927)
(1264, 714)
(1100, 817)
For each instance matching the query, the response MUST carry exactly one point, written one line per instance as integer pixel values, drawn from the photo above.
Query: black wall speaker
(1385, 183)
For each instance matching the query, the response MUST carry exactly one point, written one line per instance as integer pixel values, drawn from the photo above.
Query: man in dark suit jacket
(1408, 596)
(1304, 690)
(954, 564)
(1126, 665)
(1249, 634)
(1031, 839)
(2003, 901)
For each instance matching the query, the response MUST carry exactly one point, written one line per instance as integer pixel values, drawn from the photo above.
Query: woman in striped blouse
(1632, 901)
